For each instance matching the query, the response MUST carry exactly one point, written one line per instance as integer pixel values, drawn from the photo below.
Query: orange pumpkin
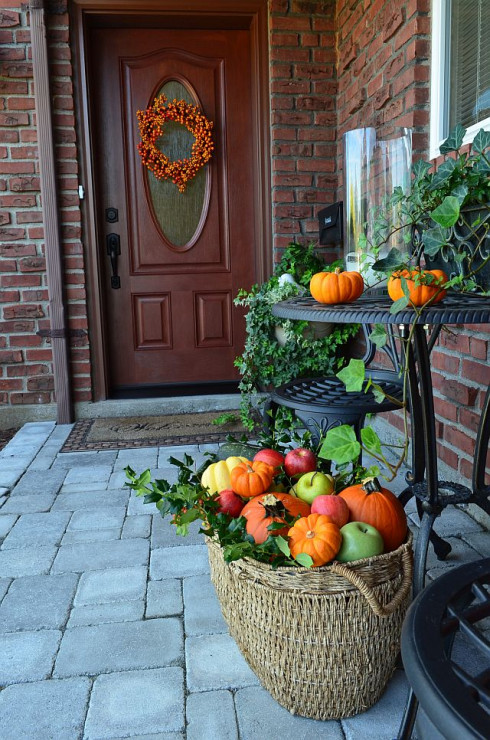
(419, 295)
(251, 478)
(336, 287)
(315, 535)
(368, 502)
(262, 510)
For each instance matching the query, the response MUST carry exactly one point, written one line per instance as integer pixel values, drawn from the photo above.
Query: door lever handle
(113, 243)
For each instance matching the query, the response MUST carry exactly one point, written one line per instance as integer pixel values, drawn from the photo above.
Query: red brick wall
(304, 120)
(26, 373)
(335, 65)
(383, 80)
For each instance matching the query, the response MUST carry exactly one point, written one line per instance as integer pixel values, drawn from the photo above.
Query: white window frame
(439, 81)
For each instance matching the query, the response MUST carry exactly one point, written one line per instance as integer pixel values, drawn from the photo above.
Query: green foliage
(265, 363)
(440, 198)
(186, 501)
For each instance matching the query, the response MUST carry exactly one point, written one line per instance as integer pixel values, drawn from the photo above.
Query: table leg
(481, 492)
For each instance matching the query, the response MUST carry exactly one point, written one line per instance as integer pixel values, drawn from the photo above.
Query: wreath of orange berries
(151, 125)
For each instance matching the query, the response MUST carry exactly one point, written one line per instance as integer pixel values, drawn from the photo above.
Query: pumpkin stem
(310, 534)
(337, 270)
(273, 506)
(371, 485)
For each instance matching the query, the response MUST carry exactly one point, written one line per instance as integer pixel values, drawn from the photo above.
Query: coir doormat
(150, 431)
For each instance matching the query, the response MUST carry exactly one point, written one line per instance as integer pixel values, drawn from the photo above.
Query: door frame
(251, 15)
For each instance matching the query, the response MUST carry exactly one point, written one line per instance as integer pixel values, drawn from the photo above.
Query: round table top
(454, 309)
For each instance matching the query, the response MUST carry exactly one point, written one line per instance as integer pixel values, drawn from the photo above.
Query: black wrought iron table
(432, 494)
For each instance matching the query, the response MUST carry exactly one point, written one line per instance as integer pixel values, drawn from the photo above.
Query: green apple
(314, 484)
(359, 540)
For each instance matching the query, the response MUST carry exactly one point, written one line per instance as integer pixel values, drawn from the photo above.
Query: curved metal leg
(441, 547)
(421, 547)
(409, 716)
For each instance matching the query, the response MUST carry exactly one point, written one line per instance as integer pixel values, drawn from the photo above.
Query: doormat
(150, 431)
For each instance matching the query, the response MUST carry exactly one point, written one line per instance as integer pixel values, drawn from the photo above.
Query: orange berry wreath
(151, 125)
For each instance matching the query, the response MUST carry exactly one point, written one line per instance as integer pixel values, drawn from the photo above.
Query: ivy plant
(265, 363)
(454, 192)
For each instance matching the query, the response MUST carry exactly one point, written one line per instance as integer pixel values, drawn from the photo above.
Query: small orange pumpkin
(251, 478)
(368, 502)
(317, 536)
(262, 510)
(419, 295)
(336, 287)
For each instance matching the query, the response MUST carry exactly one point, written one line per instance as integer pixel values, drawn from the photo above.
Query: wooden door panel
(173, 319)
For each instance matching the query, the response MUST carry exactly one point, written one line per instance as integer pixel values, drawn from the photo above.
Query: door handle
(113, 243)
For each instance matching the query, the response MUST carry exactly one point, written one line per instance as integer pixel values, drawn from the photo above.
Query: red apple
(332, 506)
(271, 457)
(299, 461)
(230, 503)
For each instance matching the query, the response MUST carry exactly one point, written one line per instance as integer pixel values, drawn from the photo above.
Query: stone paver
(26, 561)
(172, 562)
(214, 662)
(118, 611)
(164, 598)
(33, 483)
(114, 584)
(28, 504)
(34, 530)
(259, 715)
(4, 586)
(38, 602)
(210, 715)
(98, 555)
(101, 517)
(120, 647)
(201, 607)
(153, 701)
(45, 709)
(92, 621)
(27, 656)
(6, 523)
(381, 721)
(90, 500)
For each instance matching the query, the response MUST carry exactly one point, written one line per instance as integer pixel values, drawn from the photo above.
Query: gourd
(420, 294)
(263, 510)
(251, 478)
(317, 536)
(368, 502)
(336, 287)
(216, 477)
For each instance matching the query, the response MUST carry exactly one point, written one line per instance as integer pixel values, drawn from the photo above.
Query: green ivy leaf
(283, 546)
(391, 262)
(454, 140)
(340, 445)
(447, 213)
(400, 304)
(303, 559)
(481, 141)
(442, 174)
(353, 375)
(460, 192)
(434, 239)
(370, 440)
(379, 335)
(378, 393)
(420, 168)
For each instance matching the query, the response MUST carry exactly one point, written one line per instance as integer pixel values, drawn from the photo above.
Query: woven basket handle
(367, 592)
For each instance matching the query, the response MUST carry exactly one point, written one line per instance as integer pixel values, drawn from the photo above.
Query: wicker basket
(323, 642)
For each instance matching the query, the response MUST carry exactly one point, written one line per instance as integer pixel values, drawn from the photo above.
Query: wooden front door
(179, 258)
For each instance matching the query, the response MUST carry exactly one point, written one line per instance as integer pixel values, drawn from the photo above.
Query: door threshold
(156, 407)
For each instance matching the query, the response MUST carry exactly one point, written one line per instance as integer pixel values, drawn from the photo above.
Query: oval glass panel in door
(180, 216)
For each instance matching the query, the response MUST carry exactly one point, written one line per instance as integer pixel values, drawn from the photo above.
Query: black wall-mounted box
(330, 224)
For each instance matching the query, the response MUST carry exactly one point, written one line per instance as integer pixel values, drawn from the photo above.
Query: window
(460, 69)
